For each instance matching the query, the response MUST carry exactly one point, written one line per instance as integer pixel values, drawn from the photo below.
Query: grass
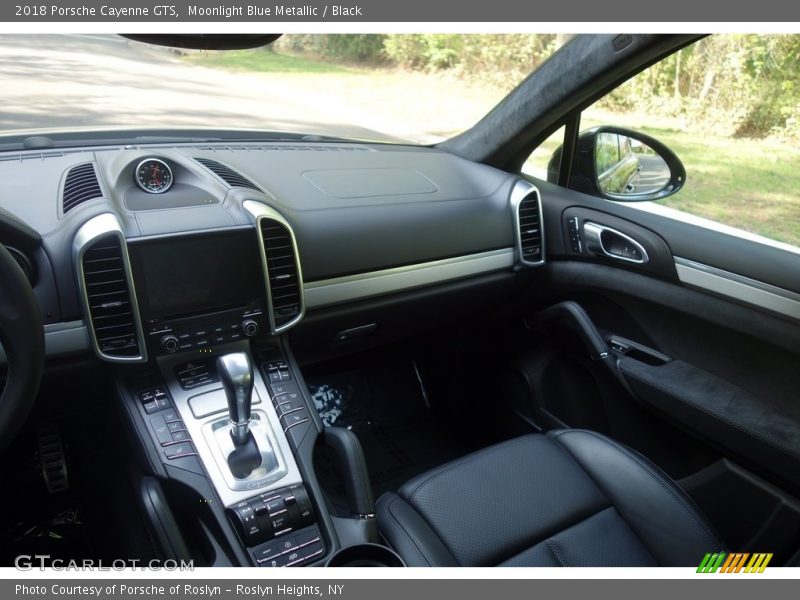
(262, 61)
(750, 184)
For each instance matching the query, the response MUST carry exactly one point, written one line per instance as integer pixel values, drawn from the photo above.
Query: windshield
(420, 88)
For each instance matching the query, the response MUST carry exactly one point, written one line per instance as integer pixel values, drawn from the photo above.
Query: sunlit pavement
(55, 81)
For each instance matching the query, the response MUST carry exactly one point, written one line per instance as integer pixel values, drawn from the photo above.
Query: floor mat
(384, 405)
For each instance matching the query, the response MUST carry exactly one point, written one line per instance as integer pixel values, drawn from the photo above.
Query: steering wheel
(22, 337)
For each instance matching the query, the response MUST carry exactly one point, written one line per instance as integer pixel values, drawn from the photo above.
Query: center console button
(288, 408)
(280, 522)
(178, 450)
(277, 561)
(271, 550)
(180, 436)
(275, 506)
(294, 418)
(171, 415)
(174, 425)
(159, 425)
(307, 537)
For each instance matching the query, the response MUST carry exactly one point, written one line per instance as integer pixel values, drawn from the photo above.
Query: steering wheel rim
(22, 337)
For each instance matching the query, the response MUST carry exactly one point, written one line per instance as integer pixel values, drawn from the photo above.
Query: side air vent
(283, 274)
(109, 299)
(529, 229)
(228, 175)
(80, 185)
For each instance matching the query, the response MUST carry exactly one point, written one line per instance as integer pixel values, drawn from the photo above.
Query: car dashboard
(360, 221)
(160, 259)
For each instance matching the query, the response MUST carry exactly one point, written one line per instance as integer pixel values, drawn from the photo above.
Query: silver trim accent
(376, 283)
(593, 234)
(196, 428)
(522, 190)
(261, 211)
(61, 338)
(89, 233)
(166, 166)
(737, 287)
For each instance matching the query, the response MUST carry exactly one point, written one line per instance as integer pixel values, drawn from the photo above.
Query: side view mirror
(622, 165)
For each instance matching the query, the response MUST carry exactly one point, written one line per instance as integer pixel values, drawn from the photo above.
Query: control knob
(249, 327)
(169, 343)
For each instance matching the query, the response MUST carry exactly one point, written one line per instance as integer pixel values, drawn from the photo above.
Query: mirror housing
(622, 165)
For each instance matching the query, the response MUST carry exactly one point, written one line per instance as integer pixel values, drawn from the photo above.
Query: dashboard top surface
(354, 208)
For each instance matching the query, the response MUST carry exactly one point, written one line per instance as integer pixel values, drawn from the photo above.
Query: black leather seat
(570, 498)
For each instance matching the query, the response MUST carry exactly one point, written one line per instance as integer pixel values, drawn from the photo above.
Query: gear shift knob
(236, 375)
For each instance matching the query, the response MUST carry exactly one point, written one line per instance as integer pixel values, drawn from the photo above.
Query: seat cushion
(568, 498)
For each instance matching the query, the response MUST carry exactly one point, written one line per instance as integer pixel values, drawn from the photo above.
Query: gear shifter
(236, 374)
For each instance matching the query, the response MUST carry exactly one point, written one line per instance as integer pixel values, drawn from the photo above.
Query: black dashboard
(129, 245)
(172, 259)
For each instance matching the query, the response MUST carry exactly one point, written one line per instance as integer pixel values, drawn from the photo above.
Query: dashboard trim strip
(73, 336)
(737, 287)
(61, 338)
(327, 292)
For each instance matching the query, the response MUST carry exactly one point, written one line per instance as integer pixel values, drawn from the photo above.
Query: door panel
(734, 373)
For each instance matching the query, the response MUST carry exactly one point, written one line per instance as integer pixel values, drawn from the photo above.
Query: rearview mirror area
(622, 165)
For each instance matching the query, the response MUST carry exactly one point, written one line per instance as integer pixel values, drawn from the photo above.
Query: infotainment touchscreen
(189, 274)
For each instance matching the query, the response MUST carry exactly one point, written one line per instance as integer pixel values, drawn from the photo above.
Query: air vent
(228, 175)
(283, 273)
(529, 216)
(80, 186)
(108, 298)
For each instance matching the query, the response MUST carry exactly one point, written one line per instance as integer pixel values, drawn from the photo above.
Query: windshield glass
(421, 88)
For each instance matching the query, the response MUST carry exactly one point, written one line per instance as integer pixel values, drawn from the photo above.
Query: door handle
(605, 241)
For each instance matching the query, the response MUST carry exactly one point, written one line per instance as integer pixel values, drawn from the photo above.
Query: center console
(209, 387)
(256, 478)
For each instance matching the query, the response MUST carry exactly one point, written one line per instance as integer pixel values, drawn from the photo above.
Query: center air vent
(109, 299)
(283, 274)
(80, 185)
(529, 229)
(228, 175)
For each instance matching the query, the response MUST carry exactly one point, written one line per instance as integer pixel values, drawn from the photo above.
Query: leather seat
(570, 498)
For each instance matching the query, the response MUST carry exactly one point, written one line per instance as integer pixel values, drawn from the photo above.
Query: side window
(729, 107)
